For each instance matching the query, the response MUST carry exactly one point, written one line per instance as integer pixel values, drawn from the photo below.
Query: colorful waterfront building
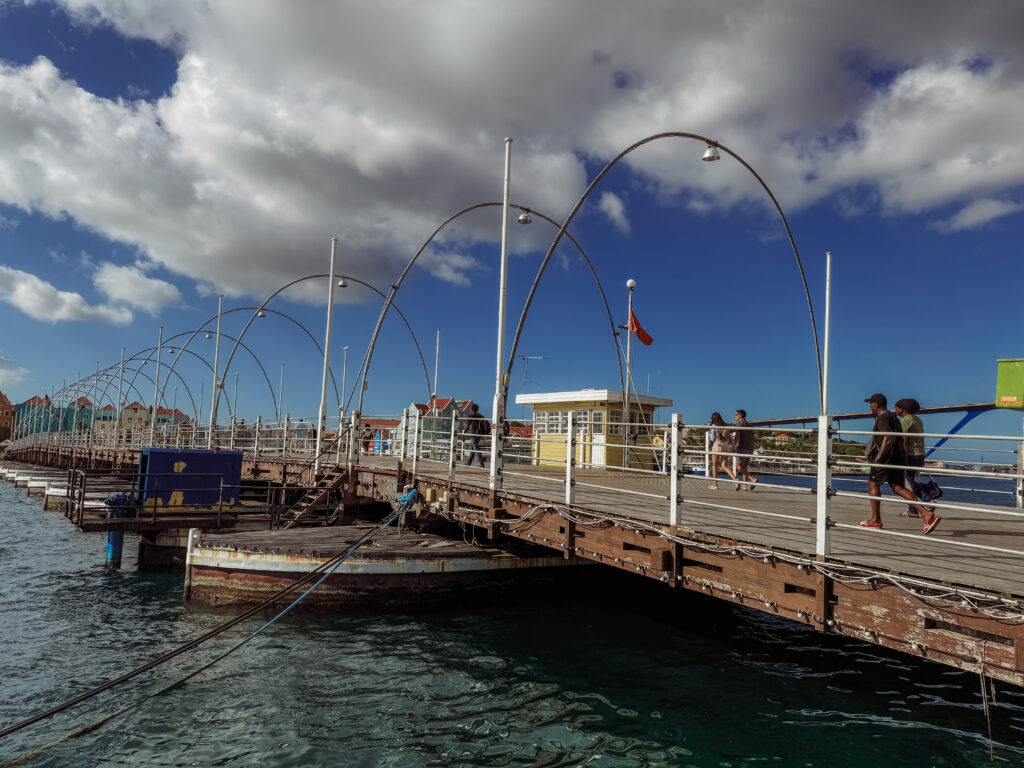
(436, 416)
(598, 414)
(169, 417)
(37, 415)
(77, 415)
(6, 417)
(135, 416)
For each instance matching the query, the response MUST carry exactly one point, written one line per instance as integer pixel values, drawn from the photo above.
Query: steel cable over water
(330, 565)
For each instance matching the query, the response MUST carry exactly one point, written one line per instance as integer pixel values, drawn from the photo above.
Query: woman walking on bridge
(721, 444)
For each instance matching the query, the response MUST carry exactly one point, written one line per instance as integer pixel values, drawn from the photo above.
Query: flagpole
(630, 284)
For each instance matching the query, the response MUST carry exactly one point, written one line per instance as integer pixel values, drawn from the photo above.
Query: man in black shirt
(744, 447)
(888, 453)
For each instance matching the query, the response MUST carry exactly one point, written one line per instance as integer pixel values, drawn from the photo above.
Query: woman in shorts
(721, 444)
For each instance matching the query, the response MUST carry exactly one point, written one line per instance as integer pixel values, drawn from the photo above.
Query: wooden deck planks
(734, 514)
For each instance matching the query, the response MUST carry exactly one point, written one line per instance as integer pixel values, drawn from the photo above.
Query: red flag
(641, 334)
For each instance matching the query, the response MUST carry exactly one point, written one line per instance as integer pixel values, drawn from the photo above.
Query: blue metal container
(179, 481)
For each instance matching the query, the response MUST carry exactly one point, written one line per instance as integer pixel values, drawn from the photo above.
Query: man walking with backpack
(476, 426)
(886, 452)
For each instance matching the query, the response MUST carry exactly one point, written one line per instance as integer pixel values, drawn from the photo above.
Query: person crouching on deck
(886, 452)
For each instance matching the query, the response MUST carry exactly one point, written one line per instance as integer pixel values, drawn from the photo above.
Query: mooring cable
(332, 563)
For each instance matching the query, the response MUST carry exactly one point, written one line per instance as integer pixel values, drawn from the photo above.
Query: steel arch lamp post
(525, 217)
(322, 413)
(500, 384)
(712, 152)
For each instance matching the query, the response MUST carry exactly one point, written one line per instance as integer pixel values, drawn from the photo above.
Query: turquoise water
(621, 674)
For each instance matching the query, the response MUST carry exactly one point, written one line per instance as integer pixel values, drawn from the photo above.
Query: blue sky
(154, 156)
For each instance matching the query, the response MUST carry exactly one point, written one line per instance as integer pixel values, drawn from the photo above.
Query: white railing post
(353, 438)
(1020, 482)
(398, 448)
(451, 451)
(673, 483)
(707, 453)
(822, 536)
(341, 431)
(570, 461)
(284, 433)
(256, 437)
(416, 442)
(232, 443)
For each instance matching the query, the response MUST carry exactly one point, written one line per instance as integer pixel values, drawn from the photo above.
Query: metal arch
(196, 332)
(76, 387)
(387, 298)
(149, 356)
(586, 194)
(131, 384)
(110, 381)
(368, 357)
(184, 348)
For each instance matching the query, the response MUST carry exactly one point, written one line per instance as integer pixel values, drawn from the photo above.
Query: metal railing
(673, 464)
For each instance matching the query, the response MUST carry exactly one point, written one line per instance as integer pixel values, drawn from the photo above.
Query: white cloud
(289, 124)
(11, 377)
(448, 266)
(611, 206)
(83, 261)
(41, 300)
(8, 223)
(977, 213)
(129, 286)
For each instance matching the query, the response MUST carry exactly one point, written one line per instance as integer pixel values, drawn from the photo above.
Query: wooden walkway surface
(729, 513)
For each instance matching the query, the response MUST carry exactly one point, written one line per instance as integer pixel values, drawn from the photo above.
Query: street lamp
(711, 153)
(630, 284)
(322, 413)
(217, 383)
(498, 409)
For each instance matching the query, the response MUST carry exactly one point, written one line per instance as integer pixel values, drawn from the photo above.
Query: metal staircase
(314, 497)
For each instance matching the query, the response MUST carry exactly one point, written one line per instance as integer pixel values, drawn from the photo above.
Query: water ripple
(624, 675)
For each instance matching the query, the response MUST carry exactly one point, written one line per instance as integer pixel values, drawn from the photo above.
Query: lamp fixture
(525, 218)
(711, 154)
(261, 313)
(209, 335)
(343, 283)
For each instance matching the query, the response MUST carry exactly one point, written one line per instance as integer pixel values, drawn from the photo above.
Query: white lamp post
(630, 284)
(322, 413)
(156, 388)
(344, 385)
(217, 383)
(497, 417)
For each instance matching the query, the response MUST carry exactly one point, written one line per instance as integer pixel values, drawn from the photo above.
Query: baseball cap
(879, 398)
